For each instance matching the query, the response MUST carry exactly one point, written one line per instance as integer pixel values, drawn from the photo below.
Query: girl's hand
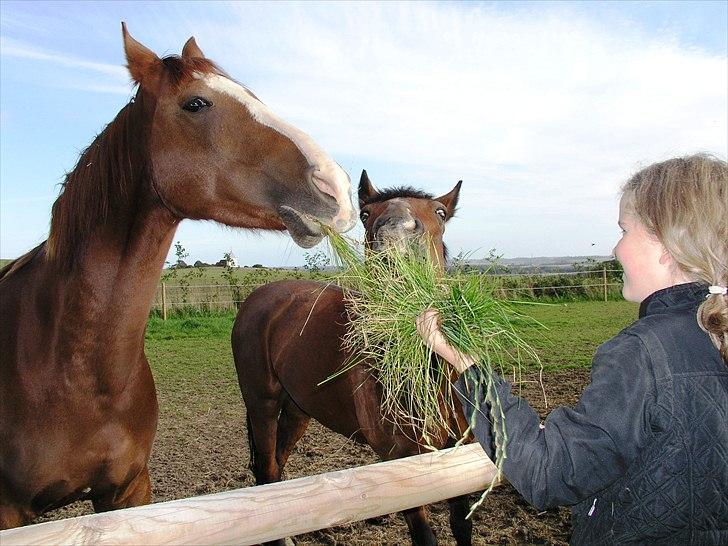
(428, 326)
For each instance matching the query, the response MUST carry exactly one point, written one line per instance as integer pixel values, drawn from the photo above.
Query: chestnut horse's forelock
(180, 70)
(106, 177)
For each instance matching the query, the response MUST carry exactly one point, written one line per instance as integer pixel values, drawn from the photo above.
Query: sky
(543, 109)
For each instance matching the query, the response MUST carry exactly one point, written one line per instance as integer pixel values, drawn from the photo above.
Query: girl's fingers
(427, 323)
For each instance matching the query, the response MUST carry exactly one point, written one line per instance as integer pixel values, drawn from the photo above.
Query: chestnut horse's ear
(366, 189)
(143, 64)
(192, 50)
(450, 200)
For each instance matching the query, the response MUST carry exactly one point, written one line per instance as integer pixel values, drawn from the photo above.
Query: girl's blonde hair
(684, 203)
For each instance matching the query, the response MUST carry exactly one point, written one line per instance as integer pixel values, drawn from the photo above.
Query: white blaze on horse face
(405, 211)
(325, 173)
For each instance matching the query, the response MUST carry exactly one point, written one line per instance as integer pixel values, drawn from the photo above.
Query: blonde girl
(643, 456)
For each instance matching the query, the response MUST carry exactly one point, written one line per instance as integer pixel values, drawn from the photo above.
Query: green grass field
(189, 352)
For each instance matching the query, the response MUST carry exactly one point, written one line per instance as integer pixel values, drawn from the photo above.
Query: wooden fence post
(164, 301)
(604, 277)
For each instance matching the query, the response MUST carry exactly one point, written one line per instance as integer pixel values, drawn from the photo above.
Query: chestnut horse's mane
(105, 182)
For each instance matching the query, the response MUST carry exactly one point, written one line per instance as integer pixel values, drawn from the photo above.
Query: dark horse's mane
(105, 180)
(399, 191)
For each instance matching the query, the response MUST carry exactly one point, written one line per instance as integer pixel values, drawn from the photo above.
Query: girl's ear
(666, 258)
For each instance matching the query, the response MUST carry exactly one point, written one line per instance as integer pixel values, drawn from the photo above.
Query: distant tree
(181, 254)
(316, 261)
(229, 274)
(257, 266)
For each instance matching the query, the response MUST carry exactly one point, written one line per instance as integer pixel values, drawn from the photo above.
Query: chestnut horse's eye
(364, 215)
(196, 104)
(442, 213)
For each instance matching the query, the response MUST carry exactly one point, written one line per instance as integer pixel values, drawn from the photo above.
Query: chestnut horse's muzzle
(331, 184)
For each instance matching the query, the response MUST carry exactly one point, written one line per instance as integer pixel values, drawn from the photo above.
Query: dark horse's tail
(251, 445)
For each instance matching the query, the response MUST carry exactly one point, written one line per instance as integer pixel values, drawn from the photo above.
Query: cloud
(543, 112)
(535, 111)
(14, 48)
(93, 76)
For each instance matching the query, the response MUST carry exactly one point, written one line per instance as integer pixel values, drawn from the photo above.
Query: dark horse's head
(396, 216)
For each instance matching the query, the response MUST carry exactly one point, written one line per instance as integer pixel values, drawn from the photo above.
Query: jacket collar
(674, 298)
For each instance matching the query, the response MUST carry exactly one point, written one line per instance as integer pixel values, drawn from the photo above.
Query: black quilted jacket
(643, 456)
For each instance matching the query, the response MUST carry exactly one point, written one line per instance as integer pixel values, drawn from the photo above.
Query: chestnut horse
(78, 408)
(281, 354)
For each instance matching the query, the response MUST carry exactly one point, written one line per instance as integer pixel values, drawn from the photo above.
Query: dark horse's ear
(450, 200)
(143, 64)
(366, 189)
(191, 50)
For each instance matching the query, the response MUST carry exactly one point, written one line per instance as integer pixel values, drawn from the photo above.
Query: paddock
(258, 514)
(201, 444)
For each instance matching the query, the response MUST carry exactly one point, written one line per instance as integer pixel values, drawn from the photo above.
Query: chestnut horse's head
(217, 152)
(398, 215)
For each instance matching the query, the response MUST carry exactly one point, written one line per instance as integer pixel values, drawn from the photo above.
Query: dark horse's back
(287, 338)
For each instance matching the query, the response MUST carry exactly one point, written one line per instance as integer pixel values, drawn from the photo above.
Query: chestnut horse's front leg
(12, 516)
(136, 493)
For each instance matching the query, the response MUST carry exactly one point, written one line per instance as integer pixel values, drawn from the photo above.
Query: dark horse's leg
(292, 425)
(419, 527)
(272, 438)
(418, 523)
(262, 426)
(462, 529)
(262, 432)
(136, 493)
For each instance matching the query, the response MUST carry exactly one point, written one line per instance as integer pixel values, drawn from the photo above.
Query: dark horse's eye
(442, 213)
(364, 215)
(196, 104)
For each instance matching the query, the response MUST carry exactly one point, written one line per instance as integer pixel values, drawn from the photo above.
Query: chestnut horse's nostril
(333, 183)
(343, 224)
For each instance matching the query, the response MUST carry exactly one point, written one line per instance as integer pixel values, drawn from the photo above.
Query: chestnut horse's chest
(84, 442)
(77, 457)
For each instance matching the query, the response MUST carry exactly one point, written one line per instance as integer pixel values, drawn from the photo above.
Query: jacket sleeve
(579, 450)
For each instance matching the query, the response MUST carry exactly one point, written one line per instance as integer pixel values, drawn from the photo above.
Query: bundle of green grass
(385, 293)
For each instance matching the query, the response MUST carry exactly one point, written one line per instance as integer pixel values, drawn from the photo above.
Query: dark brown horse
(78, 409)
(281, 354)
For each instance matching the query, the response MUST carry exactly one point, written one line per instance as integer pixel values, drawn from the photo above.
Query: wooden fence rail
(258, 514)
(222, 296)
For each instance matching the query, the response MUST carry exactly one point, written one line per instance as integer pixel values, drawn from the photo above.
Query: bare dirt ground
(201, 452)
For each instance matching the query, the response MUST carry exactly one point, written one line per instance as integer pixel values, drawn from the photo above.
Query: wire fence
(228, 294)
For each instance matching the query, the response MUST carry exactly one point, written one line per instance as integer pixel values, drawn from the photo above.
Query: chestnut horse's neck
(109, 237)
